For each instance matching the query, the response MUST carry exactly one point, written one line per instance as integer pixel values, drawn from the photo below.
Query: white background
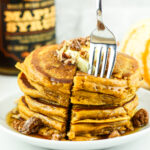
(77, 18)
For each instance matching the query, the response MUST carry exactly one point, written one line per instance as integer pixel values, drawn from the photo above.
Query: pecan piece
(69, 62)
(32, 125)
(113, 134)
(83, 41)
(140, 118)
(64, 55)
(75, 45)
(84, 54)
(17, 124)
(56, 136)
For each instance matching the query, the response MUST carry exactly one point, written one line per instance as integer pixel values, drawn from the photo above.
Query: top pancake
(43, 67)
(77, 51)
(125, 66)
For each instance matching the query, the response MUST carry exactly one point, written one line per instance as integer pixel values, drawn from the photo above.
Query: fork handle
(100, 5)
(100, 25)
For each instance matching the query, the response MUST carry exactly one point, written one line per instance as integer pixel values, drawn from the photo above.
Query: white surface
(7, 142)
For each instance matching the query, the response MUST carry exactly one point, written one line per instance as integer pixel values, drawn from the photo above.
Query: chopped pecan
(113, 134)
(64, 55)
(17, 124)
(83, 41)
(32, 125)
(56, 136)
(69, 62)
(140, 118)
(84, 54)
(46, 131)
(75, 45)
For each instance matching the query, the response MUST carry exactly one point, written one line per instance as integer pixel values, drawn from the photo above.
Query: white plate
(7, 103)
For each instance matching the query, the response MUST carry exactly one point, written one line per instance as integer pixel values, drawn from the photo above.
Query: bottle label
(26, 25)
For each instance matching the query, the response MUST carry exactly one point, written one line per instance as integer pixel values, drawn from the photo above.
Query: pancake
(93, 98)
(53, 122)
(48, 110)
(43, 68)
(77, 51)
(98, 114)
(36, 91)
(93, 129)
(113, 120)
(116, 87)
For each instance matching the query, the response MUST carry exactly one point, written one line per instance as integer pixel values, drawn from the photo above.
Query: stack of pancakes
(68, 100)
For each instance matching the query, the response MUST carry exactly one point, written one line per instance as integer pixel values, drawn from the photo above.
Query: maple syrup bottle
(24, 26)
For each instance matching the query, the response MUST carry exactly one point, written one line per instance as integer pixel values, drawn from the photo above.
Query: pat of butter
(81, 63)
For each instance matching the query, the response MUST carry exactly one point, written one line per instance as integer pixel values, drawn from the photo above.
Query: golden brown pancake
(77, 51)
(98, 129)
(37, 91)
(117, 87)
(93, 98)
(43, 67)
(49, 110)
(81, 113)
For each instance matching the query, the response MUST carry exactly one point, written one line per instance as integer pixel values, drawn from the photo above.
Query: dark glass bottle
(24, 26)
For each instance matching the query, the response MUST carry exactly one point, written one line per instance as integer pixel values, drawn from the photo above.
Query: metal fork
(102, 41)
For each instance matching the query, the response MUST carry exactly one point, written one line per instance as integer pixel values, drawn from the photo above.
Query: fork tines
(102, 59)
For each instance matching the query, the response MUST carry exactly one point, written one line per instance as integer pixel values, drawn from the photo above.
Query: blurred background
(75, 18)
